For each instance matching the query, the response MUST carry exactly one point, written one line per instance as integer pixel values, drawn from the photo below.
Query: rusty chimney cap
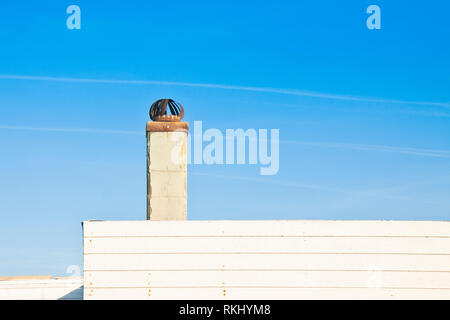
(158, 111)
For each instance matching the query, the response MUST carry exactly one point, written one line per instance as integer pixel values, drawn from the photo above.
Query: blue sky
(74, 150)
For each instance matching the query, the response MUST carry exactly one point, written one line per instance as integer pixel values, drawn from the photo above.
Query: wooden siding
(36, 288)
(266, 260)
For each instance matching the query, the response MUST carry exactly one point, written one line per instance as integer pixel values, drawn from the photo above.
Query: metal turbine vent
(158, 111)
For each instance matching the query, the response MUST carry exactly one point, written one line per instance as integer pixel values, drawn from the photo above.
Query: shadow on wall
(76, 294)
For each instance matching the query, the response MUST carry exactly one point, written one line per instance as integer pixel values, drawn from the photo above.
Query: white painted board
(52, 289)
(266, 260)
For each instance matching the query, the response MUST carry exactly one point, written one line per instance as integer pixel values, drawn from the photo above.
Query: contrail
(68, 130)
(369, 147)
(292, 92)
(413, 151)
(292, 184)
(338, 145)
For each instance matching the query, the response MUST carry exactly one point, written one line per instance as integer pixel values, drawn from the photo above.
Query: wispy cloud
(69, 130)
(297, 185)
(386, 109)
(291, 184)
(336, 145)
(294, 92)
(370, 147)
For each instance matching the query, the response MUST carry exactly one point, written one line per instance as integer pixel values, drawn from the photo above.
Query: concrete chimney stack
(166, 162)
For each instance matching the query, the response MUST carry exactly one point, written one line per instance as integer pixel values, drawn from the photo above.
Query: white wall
(266, 260)
(42, 289)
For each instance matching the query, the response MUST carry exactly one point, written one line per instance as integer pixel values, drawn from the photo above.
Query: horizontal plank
(58, 293)
(149, 262)
(267, 244)
(25, 278)
(263, 293)
(68, 288)
(39, 283)
(267, 228)
(268, 278)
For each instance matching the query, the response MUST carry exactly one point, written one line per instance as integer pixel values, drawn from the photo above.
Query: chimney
(166, 162)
